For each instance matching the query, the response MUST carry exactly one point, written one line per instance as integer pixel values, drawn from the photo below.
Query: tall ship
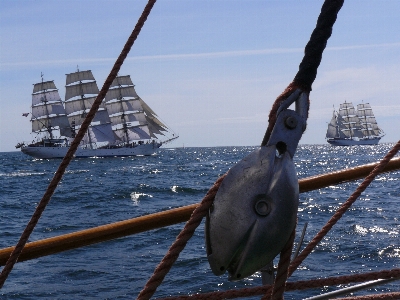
(350, 126)
(124, 124)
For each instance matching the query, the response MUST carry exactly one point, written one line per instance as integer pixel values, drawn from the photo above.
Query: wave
(21, 174)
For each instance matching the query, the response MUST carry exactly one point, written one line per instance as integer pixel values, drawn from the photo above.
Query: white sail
(47, 110)
(48, 96)
(332, 127)
(47, 123)
(122, 80)
(79, 76)
(81, 89)
(367, 123)
(101, 133)
(123, 106)
(154, 125)
(84, 104)
(48, 113)
(354, 127)
(121, 92)
(44, 85)
(134, 133)
(101, 117)
(364, 109)
(124, 124)
(349, 111)
(147, 108)
(156, 122)
(79, 98)
(350, 120)
(128, 118)
(369, 126)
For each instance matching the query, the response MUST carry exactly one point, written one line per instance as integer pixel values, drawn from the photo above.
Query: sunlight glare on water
(95, 192)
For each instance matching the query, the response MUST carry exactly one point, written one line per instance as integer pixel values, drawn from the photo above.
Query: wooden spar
(341, 176)
(173, 216)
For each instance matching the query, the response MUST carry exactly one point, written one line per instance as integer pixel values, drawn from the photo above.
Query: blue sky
(210, 69)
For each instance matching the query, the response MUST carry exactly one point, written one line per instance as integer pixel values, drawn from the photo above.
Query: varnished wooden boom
(173, 216)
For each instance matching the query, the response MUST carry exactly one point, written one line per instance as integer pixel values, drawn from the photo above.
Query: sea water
(98, 191)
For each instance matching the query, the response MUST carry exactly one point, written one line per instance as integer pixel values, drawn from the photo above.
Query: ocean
(99, 191)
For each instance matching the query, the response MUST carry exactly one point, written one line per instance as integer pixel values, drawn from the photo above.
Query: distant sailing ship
(124, 125)
(349, 127)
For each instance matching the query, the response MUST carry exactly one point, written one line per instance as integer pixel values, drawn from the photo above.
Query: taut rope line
(303, 80)
(311, 60)
(266, 290)
(339, 213)
(180, 243)
(282, 273)
(291, 286)
(74, 145)
(144, 223)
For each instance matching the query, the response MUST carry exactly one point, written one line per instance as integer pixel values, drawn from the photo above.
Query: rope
(339, 213)
(304, 79)
(169, 217)
(273, 113)
(266, 290)
(387, 296)
(291, 286)
(172, 255)
(311, 60)
(316, 46)
(68, 157)
(282, 273)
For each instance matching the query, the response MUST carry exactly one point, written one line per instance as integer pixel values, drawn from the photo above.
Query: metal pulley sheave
(255, 208)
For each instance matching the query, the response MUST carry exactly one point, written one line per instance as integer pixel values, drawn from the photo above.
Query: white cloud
(185, 56)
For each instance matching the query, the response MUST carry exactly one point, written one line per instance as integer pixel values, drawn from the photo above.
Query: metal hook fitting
(290, 124)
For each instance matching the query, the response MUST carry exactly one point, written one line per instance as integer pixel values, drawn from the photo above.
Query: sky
(210, 69)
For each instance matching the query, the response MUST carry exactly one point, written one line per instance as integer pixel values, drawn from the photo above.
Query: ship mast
(44, 100)
(48, 113)
(80, 92)
(83, 115)
(120, 98)
(347, 114)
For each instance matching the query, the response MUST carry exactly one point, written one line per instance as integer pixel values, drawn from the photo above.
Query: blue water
(98, 191)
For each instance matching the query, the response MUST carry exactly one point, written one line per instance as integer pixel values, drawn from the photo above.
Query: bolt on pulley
(255, 208)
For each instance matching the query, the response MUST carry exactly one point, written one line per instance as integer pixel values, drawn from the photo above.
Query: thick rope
(172, 255)
(282, 273)
(74, 145)
(292, 286)
(339, 213)
(266, 290)
(304, 79)
(311, 60)
(316, 46)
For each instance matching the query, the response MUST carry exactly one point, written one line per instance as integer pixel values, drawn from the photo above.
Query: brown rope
(387, 296)
(311, 60)
(172, 255)
(266, 290)
(303, 79)
(291, 286)
(309, 65)
(339, 213)
(273, 113)
(282, 273)
(74, 145)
